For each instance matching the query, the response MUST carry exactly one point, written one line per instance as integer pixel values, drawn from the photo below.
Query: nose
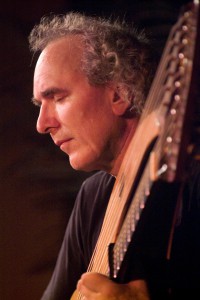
(47, 121)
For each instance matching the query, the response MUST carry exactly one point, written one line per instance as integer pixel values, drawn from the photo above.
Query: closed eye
(54, 94)
(59, 99)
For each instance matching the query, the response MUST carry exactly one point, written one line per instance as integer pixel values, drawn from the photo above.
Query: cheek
(98, 134)
(90, 133)
(88, 124)
(66, 115)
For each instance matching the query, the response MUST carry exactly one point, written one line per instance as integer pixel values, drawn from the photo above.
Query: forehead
(58, 66)
(66, 51)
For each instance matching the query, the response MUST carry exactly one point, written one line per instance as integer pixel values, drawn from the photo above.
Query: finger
(94, 281)
(87, 292)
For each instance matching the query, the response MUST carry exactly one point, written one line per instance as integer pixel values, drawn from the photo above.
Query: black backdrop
(37, 185)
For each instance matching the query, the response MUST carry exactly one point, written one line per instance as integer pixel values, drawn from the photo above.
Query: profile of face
(83, 120)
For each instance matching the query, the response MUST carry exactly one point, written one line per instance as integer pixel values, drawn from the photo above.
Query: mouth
(62, 142)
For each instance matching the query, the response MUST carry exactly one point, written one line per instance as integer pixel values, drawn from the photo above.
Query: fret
(163, 160)
(157, 153)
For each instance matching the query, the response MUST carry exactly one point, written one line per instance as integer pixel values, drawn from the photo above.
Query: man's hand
(94, 286)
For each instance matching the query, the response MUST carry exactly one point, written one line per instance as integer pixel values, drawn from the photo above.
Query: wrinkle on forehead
(59, 62)
(62, 55)
(64, 50)
(70, 42)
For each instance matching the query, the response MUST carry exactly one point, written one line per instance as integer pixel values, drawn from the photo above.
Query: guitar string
(102, 246)
(150, 105)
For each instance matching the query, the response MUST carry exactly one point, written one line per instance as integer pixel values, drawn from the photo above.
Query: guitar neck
(175, 100)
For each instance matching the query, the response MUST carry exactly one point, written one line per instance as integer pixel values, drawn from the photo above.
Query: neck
(128, 137)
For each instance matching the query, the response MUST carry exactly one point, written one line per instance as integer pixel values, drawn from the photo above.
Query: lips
(61, 142)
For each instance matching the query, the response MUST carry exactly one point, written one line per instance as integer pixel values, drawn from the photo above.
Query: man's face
(78, 116)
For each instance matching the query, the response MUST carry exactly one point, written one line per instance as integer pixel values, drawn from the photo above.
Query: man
(91, 80)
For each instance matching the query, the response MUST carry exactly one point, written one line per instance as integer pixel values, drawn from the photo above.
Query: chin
(80, 166)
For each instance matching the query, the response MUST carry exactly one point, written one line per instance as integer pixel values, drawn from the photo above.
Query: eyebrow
(35, 101)
(48, 94)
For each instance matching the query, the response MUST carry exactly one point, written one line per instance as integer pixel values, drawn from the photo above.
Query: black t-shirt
(80, 236)
(147, 261)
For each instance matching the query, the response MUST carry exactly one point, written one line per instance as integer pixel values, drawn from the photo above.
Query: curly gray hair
(113, 52)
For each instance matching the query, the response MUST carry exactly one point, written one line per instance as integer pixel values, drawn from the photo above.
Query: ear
(119, 105)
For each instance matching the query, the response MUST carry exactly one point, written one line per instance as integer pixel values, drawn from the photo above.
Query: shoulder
(94, 195)
(98, 181)
(91, 205)
(94, 192)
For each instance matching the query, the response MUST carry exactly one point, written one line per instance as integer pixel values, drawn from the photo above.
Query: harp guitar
(160, 153)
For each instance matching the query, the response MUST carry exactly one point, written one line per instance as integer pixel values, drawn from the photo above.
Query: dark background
(37, 185)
